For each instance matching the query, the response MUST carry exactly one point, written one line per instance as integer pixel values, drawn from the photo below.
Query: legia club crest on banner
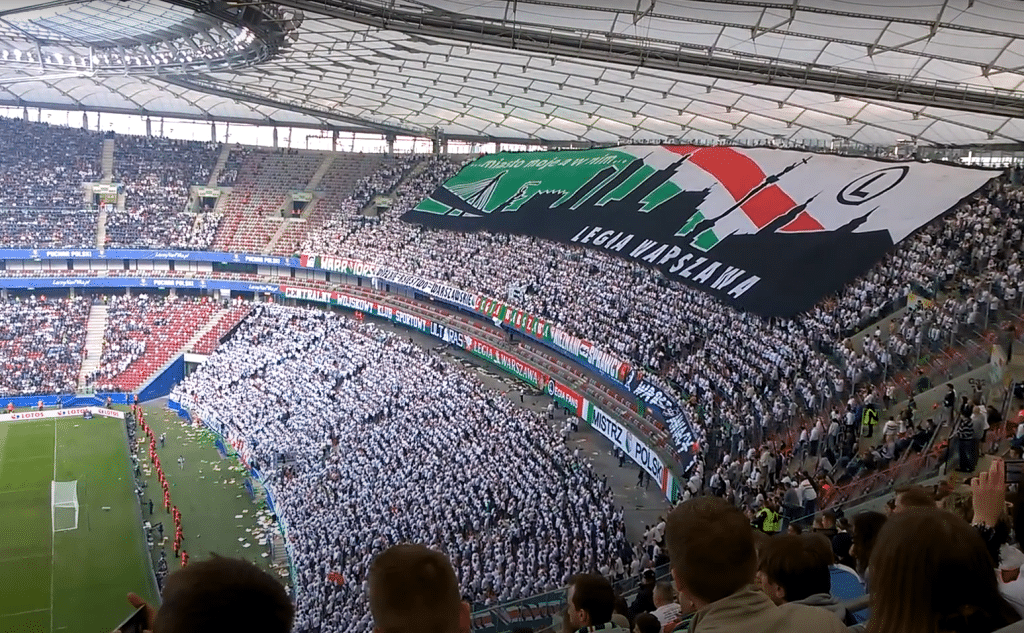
(770, 231)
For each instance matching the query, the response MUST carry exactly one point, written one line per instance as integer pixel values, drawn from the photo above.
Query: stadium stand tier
(779, 402)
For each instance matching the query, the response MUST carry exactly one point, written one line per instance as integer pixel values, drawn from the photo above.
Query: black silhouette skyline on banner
(795, 270)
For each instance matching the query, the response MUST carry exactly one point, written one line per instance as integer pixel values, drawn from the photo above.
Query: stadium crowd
(158, 174)
(934, 564)
(539, 514)
(124, 338)
(44, 166)
(369, 446)
(744, 377)
(42, 342)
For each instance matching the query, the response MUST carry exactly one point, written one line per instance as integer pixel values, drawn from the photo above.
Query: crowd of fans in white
(380, 442)
(42, 341)
(743, 370)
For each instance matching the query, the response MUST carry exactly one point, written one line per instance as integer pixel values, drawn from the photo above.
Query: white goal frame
(63, 494)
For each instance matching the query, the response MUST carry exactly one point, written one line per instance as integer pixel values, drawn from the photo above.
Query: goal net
(64, 505)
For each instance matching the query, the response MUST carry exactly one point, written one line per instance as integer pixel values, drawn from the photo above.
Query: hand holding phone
(135, 623)
(1014, 470)
(988, 491)
(141, 619)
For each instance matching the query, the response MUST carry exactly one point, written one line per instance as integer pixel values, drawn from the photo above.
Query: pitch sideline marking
(8, 615)
(53, 534)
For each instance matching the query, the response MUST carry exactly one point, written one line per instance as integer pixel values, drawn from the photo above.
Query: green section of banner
(518, 319)
(482, 185)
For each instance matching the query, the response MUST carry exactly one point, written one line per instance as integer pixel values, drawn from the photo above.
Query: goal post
(64, 505)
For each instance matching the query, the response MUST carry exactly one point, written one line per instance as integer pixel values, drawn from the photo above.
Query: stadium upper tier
(741, 371)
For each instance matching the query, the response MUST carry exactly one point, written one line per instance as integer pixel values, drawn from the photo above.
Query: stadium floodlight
(64, 505)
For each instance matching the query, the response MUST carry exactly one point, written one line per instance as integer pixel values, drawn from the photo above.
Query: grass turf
(75, 580)
(217, 513)
(92, 568)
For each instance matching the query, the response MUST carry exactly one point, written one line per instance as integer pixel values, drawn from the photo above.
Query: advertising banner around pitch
(635, 449)
(428, 287)
(567, 397)
(588, 352)
(60, 413)
(149, 255)
(511, 364)
(513, 317)
(684, 432)
(357, 303)
(770, 231)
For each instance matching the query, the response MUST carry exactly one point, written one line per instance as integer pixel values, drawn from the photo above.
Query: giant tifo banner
(770, 231)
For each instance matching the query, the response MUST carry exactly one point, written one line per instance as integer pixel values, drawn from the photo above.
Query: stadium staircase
(418, 169)
(219, 325)
(165, 351)
(108, 160)
(297, 225)
(321, 171)
(280, 560)
(222, 160)
(95, 328)
(101, 228)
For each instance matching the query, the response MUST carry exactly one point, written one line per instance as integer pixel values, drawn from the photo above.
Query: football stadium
(328, 316)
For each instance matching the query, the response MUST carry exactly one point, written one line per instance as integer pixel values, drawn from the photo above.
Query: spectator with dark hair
(220, 594)
(713, 562)
(828, 525)
(841, 543)
(591, 603)
(930, 572)
(647, 623)
(912, 497)
(796, 569)
(413, 588)
(865, 528)
(620, 612)
(644, 601)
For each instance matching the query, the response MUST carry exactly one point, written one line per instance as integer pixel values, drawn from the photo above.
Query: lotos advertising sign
(60, 413)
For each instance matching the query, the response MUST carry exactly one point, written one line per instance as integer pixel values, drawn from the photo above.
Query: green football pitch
(73, 580)
(77, 580)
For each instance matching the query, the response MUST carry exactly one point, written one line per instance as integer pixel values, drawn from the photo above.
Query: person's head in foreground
(931, 573)
(792, 567)
(713, 563)
(223, 594)
(591, 600)
(413, 588)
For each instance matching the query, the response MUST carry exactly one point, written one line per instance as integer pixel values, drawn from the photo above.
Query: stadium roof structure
(874, 72)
